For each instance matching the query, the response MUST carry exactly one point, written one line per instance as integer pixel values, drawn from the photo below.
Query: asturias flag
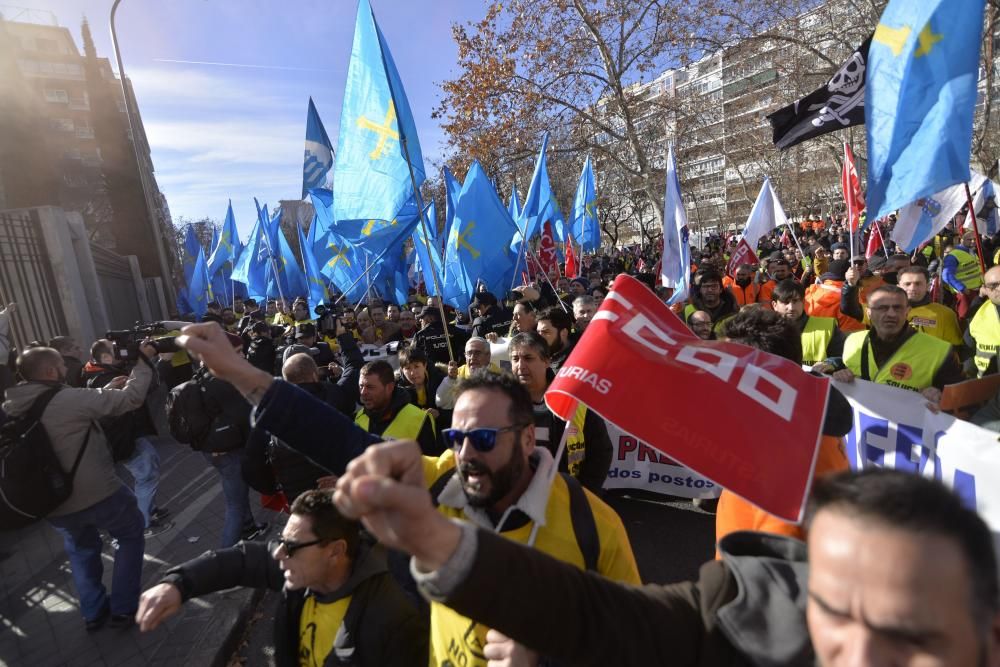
(923, 68)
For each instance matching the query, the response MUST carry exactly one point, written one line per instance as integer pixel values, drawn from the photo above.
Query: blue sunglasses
(482, 439)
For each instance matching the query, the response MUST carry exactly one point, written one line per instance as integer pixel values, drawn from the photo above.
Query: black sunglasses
(289, 546)
(482, 439)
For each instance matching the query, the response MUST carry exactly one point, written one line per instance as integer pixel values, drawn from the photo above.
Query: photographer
(128, 436)
(99, 499)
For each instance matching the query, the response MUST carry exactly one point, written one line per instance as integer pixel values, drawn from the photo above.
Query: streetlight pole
(146, 189)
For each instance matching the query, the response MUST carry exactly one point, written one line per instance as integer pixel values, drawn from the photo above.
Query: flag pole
(420, 201)
(791, 228)
(545, 273)
(975, 228)
(369, 267)
(274, 265)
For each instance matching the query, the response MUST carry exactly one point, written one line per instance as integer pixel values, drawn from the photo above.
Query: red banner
(851, 185)
(571, 268)
(547, 249)
(743, 254)
(874, 240)
(747, 420)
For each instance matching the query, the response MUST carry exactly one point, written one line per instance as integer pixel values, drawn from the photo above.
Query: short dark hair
(910, 502)
(788, 290)
(521, 410)
(410, 355)
(559, 318)
(101, 346)
(707, 275)
(887, 289)
(765, 330)
(915, 268)
(381, 369)
(34, 360)
(328, 523)
(533, 340)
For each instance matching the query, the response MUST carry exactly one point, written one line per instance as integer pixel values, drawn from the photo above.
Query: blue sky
(220, 132)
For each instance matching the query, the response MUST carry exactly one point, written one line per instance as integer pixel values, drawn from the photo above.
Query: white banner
(894, 429)
(636, 465)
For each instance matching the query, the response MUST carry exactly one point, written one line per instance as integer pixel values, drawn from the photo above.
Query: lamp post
(146, 189)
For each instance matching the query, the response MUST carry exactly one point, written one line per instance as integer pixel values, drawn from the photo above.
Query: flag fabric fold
(675, 262)
(838, 104)
(318, 159)
(921, 95)
(635, 341)
(539, 204)
(585, 228)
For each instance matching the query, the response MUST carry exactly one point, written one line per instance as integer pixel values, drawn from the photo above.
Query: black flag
(838, 104)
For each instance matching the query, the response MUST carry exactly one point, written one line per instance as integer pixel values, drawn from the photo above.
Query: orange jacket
(743, 295)
(823, 300)
(734, 513)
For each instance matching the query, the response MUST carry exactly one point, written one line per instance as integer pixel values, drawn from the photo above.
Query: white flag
(766, 214)
(675, 265)
(918, 222)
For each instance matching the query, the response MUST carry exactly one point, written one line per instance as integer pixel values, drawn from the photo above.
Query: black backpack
(188, 416)
(32, 481)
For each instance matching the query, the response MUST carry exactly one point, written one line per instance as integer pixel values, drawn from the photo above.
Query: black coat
(388, 630)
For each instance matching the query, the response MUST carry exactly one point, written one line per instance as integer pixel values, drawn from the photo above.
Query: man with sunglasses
(494, 477)
(337, 595)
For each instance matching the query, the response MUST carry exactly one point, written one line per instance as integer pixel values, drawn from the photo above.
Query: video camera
(126, 341)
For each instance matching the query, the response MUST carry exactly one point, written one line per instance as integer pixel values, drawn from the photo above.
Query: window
(46, 45)
(64, 124)
(56, 96)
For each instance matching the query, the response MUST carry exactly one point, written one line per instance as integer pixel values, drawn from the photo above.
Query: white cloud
(193, 89)
(259, 141)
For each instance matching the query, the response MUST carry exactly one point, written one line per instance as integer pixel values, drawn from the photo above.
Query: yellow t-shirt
(318, 627)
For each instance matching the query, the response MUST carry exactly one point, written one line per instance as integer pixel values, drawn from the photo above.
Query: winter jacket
(231, 423)
(746, 609)
(67, 420)
(121, 431)
(378, 422)
(388, 630)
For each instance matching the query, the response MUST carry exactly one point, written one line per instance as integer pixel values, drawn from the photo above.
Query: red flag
(852, 189)
(635, 341)
(874, 240)
(571, 268)
(743, 254)
(547, 249)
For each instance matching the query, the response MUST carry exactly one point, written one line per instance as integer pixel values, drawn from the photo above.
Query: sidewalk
(40, 622)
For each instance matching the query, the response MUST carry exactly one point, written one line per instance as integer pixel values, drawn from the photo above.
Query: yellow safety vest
(405, 425)
(938, 320)
(968, 270)
(458, 640)
(911, 367)
(717, 327)
(985, 329)
(816, 336)
(576, 448)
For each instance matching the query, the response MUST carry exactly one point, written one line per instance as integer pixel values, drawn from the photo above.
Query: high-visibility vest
(912, 366)
(985, 330)
(938, 320)
(576, 448)
(405, 425)
(968, 270)
(816, 336)
(743, 295)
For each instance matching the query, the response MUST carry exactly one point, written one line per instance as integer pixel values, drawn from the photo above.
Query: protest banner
(894, 429)
(636, 465)
(743, 254)
(745, 419)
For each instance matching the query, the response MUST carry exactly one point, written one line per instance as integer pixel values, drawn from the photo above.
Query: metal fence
(117, 286)
(26, 278)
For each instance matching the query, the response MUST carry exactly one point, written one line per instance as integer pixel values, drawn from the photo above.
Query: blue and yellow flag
(920, 97)
(199, 291)
(586, 230)
(452, 188)
(318, 154)
(477, 246)
(227, 246)
(514, 206)
(372, 171)
(540, 204)
(252, 265)
(191, 247)
(315, 281)
(429, 265)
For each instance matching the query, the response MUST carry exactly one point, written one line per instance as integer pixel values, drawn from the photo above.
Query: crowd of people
(473, 467)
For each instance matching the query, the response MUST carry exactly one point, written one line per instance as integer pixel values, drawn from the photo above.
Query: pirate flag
(838, 104)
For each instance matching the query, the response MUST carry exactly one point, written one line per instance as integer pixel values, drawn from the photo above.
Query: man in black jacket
(431, 337)
(339, 605)
(493, 318)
